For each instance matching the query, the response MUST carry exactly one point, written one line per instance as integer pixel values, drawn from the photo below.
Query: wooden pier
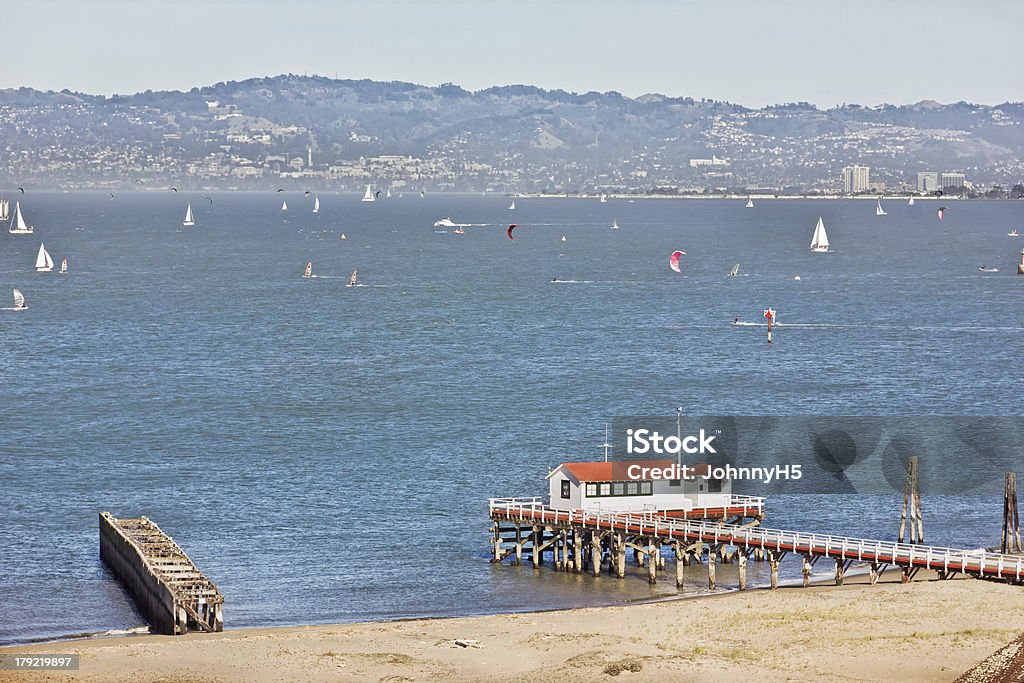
(581, 539)
(168, 588)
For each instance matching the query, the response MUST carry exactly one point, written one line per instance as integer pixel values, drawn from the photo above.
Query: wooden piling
(620, 556)
(912, 500)
(1011, 521)
(741, 560)
(840, 570)
(538, 540)
(773, 563)
(577, 550)
(711, 569)
(873, 573)
(806, 570)
(652, 562)
(680, 555)
(595, 553)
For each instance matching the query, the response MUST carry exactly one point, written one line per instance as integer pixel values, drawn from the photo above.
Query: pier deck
(168, 588)
(652, 530)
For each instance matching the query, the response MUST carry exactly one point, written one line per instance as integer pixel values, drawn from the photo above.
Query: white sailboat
(284, 205)
(19, 300)
(879, 211)
(512, 206)
(44, 264)
(563, 238)
(352, 279)
(615, 224)
(343, 236)
(604, 199)
(819, 241)
(735, 271)
(910, 202)
(316, 204)
(189, 219)
(750, 203)
(368, 195)
(18, 225)
(5, 209)
(388, 194)
(63, 266)
(309, 270)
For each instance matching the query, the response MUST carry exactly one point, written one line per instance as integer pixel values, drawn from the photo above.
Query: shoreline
(922, 631)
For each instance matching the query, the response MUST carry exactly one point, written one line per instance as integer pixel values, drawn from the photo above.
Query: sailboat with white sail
(604, 199)
(19, 300)
(615, 224)
(18, 225)
(44, 264)
(819, 241)
(735, 271)
(284, 205)
(879, 211)
(316, 204)
(63, 266)
(189, 218)
(910, 202)
(388, 194)
(368, 195)
(750, 202)
(512, 206)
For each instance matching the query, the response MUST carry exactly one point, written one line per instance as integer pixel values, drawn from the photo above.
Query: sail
(388, 195)
(615, 224)
(910, 202)
(19, 298)
(879, 211)
(316, 204)
(352, 279)
(750, 203)
(309, 270)
(604, 199)
(43, 261)
(284, 205)
(64, 266)
(735, 270)
(368, 195)
(819, 242)
(189, 220)
(18, 225)
(512, 206)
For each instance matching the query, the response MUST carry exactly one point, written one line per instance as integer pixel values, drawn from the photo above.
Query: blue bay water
(325, 453)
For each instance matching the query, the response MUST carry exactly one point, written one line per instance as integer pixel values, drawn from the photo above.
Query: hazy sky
(750, 52)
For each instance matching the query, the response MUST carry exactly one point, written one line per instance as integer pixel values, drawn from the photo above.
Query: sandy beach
(923, 631)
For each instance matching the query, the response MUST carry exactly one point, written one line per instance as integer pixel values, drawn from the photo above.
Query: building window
(675, 482)
(646, 488)
(632, 487)
(566, 488)
(606, 489)
(714, 485)
(591, 490)
(618, 488)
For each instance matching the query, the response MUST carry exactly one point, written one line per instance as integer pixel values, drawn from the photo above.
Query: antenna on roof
(679, 435)
(605, 445)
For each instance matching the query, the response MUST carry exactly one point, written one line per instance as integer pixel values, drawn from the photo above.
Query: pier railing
(650, 523)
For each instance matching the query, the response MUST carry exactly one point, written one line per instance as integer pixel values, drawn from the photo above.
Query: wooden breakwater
(167, 587)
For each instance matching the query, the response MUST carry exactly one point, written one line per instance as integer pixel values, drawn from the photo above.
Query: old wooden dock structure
(168, 588)
(584, 539)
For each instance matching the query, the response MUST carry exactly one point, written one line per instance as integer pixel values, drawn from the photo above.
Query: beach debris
(615, 668)
(461, 642)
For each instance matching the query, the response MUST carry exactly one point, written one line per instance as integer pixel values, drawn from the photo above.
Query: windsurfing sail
(942, 213)
(509, 231)
(673, 260)
(19, 300)
(368, 195)
(189, 219)
(352, 279)
(819, 241)
(316, 204)
(44, 264)
(18, 225)
(512, 206)
(735, 270)
(284, 205)
(309, 270)
(64, 266)
(879, 211)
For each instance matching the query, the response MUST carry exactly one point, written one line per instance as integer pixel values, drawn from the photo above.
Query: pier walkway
(168, 588)
(648, 531)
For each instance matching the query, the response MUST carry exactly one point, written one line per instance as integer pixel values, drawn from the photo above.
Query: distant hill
(518, 138)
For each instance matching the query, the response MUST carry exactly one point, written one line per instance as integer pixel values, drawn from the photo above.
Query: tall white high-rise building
(927, 181)
(952, 180)
(855, 179)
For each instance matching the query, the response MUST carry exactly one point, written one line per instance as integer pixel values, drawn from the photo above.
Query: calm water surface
(325, 453)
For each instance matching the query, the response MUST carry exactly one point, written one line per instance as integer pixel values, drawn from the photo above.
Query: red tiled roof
(611, 471)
